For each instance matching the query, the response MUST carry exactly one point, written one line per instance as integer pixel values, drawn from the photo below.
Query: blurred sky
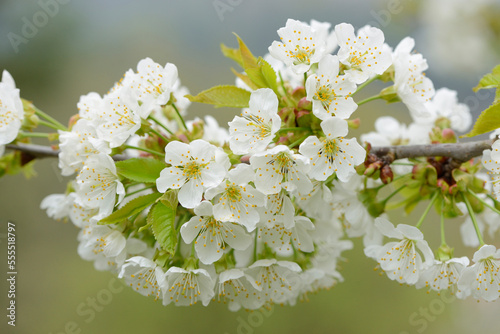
(87, 46)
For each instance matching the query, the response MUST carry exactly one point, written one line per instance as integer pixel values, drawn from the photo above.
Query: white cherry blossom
(410, 82)
(300, 46)
(11, 109)
(443, 275)
(235, 199)
(402, 260)
(277, 279)
(333, 154)
(329, 91)
(194, 168)
(482, 279)
(212, 235)
(187, 287)
(238, 289)
(98, 184)
(77, 145)
(364, 55)
(254, 130)
(143, 275)
(279, 168)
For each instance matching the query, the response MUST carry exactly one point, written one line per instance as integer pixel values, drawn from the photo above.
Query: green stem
(49, 125)
(282, 82)
(298, 141)
(305, 78)
(145, 150)
(52, 120)
(180, 116)
(138, 191)
(376, 97)
(160, 124)
(433, 199)
(484, 202)
(402, 164)
(393, 194)
(293, 129)
(473, 218)
(443, 239)
(34, 134)
(255, 245)
(165, 139)
(366, 83)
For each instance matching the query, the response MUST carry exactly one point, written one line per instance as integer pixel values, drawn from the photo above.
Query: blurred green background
(87, 46)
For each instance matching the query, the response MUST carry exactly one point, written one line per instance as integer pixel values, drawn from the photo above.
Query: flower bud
(386, 174)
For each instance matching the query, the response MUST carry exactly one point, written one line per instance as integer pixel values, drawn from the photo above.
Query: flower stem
(255, 245)
(165, 139)
(52, 120)
(443, 239)
(433, 199)
(34, 134)
(180, 116)
(145, 150)
(484, 202)
(160, 124)
(292, 129)
(366, 83)
(298, 141)
(393, 194)
(138, 191)
(473, 218)
(49, 125)
(376, 97)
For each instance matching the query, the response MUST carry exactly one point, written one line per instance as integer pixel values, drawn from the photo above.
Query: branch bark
(40, 151)
(460, 152)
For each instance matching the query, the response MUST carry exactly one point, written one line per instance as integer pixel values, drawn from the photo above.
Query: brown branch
(40, 151)
(460, 152)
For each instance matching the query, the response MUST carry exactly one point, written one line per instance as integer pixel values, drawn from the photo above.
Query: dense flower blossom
(300, 46)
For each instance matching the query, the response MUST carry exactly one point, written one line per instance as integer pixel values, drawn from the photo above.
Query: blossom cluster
(261, 212)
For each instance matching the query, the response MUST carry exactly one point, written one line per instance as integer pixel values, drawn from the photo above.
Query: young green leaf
(489, 120)
(223, 96)
(140, 169)
(249, 60)
(231, 53)
(162, 220)
(131, 208)
(490, 80)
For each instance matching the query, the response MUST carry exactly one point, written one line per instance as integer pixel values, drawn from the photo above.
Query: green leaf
(223, 96)
(249, 60)
(231, 53)
(131, 208)
(245, 79)
(269, 75)
(162, 221)
(490, 80)
(489, 120)
(140, 169)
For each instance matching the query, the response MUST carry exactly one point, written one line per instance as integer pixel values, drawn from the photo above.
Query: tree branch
(40, 151)
(460, 152)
